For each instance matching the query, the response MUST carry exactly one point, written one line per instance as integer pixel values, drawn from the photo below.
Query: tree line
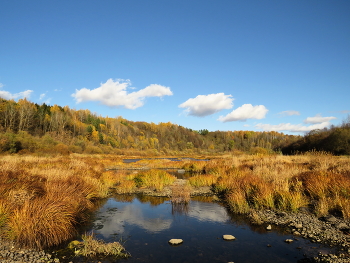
(335, 140)
(29, 127)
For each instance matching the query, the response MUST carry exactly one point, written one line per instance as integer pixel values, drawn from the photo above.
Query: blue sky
(202, 64)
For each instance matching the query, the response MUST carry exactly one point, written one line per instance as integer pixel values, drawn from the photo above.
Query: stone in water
(175, 241)
(228, 237)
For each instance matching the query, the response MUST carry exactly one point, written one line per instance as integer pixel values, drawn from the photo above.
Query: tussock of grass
(42, 223)
(91, 247)
(202, 180)
(287, 183)
(180, 194)
(156, 179)
(44, 199)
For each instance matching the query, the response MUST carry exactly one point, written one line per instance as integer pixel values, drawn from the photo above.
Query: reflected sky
(146, 225)
(135, 214)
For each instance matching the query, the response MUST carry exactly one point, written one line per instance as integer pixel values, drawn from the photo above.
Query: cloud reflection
(208, 212)
(131, 214)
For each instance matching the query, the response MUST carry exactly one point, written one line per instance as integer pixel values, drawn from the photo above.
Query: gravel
(330, 230)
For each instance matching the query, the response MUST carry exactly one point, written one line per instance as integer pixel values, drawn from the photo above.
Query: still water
(145, 225)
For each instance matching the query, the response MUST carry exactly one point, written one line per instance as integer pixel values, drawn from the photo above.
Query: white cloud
(1, 85)
(318, 119)
(292, 127)
(114, 94)
(42, 96)
(246, 111)
(289, 113)
(9, 96)
(204, 105)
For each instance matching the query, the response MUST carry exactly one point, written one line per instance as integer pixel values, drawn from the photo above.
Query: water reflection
(180, 208)
(129, 215)
(148, 223)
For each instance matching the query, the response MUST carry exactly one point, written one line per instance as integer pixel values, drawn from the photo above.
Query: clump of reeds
(43, 199)
(255, 218)
(286, 183)
(194, 166)
(91, 247)
(42, 223)
(180, 194)
(156, 179)
(202, 180)
(126, 187)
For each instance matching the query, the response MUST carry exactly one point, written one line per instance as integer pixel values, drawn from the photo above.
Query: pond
(145, 224)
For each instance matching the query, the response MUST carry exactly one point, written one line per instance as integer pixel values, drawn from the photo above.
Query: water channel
(145, 225)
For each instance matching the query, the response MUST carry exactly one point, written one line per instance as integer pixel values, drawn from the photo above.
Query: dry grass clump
(91, 247)
(42, 223)
(194, 166)
(44, 199)
(202, 180)
(126, 187)
(156, 179)
(180, 194)
(330, 189)
(287, 183)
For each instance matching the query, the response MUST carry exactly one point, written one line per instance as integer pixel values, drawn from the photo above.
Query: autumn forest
(26, 127)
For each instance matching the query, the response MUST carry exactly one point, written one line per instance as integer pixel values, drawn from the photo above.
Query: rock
(175, 241)
(298, 226)
(342, 226)
(289, 240)
(228, 237)
(268, 227)
(330, 219)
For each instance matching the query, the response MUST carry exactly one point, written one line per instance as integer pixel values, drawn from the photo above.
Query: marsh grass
(42, 223)
(156, 179)
(92, 247)
(44, 199)
(286, 183)
(202, 180)
(180, 194)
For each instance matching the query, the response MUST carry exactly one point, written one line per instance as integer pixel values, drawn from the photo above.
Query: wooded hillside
(29, 127)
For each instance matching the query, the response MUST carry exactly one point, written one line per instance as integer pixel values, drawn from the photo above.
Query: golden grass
(44, 199)
(42, 223)
(156, 179)
(180, 194)
(202, 180)
(286, 182)
(91, 247)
